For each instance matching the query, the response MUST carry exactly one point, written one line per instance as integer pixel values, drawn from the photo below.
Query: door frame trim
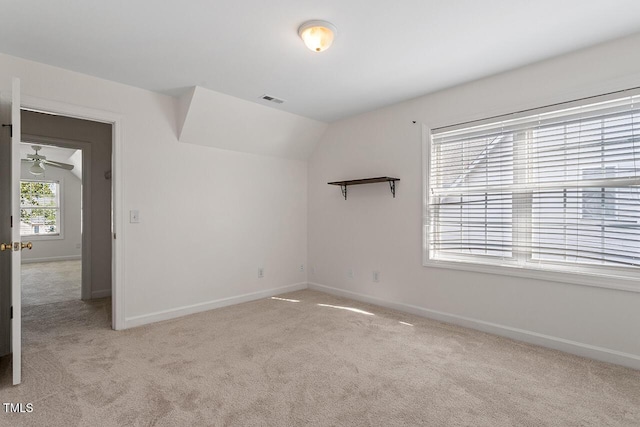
(117, 189)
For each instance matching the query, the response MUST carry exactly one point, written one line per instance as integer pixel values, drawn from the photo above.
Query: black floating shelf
(344, 184)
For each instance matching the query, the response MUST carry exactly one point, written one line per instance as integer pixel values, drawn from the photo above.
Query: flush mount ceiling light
(317, 35)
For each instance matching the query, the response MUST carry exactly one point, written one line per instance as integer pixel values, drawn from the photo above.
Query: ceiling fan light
(36, 169)
(317, 35)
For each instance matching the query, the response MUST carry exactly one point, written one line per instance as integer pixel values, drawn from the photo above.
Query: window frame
(609, 277)
(53, 236)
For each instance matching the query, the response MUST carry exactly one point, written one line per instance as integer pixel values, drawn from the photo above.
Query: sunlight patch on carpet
(340, 307)
(285, 299)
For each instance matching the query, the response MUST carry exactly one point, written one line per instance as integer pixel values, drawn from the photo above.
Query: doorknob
(27, 245)
(6, 246)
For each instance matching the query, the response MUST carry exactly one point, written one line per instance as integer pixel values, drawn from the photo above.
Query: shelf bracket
(343, 187)
(344, 184)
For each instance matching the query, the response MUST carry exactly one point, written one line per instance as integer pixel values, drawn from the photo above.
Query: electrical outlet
(260, 272)
(134, 217)
(350, 274)
(376, 276)
(302, 268)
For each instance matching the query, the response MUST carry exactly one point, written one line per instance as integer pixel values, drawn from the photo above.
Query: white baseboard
(101, 294)
(568, 346)
(131, 322)
(50, 259)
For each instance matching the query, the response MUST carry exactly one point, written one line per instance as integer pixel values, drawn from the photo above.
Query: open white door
(16, 286)
(10, 226)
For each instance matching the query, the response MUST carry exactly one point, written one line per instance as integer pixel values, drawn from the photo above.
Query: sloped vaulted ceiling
(210, 118)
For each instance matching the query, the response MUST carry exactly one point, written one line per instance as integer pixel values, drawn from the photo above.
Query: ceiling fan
(38, 161)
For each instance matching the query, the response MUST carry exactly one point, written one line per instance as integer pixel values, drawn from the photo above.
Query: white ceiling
(385, 51)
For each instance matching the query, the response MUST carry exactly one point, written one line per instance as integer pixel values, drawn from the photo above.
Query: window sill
(36, 238)
(606, 281)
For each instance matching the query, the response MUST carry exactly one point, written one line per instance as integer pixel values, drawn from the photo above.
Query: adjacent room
(347, 213)
(50, 212)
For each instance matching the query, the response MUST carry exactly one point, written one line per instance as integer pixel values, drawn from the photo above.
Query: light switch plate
(134, 217)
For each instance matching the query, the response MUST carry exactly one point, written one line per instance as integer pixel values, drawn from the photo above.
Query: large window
(558, 190)
(39, 208)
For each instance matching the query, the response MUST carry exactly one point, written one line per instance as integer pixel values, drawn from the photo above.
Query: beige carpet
(47, 282)
(317, 362)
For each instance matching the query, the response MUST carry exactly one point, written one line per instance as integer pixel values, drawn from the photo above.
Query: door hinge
(10, 129)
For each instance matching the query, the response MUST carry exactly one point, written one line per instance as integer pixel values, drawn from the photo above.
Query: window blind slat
(561, 187)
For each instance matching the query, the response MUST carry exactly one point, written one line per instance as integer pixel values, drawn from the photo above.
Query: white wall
(56, 248)
(208, 217)
(372, 231)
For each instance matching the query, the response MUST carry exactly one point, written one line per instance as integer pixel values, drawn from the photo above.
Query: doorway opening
(51, 220)
(71, 259)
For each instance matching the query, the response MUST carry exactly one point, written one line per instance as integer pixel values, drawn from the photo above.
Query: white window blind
(555, 190)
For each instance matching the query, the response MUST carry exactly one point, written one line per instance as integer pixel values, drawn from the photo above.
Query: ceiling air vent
(272, 99)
